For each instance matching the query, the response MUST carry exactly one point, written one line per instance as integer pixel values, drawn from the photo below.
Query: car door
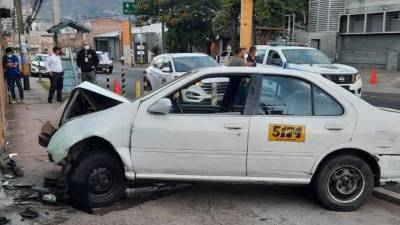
(274, 58)
(169, 74)
(207, 138)
(294, 123)
(154, 73)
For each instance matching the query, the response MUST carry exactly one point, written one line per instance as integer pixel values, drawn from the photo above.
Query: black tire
(344, 183)
(104, 176)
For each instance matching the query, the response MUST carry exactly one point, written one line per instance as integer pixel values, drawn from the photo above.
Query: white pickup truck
(310, 60)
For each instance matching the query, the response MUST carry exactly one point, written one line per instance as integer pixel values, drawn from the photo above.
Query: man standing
(56, 74)
(87, 61)
(13, 75)
(238, 59)
(251, 58)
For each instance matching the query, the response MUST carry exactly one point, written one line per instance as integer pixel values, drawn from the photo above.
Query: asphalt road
(131, 76)
(383, 99)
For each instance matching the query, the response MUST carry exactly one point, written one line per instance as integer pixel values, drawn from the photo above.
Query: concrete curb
(387, 195)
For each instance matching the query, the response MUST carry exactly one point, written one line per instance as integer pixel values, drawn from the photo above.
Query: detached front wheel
(344, 183)
(103, 174)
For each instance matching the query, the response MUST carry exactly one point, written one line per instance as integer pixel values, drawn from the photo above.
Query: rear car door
(195, 138)
(294, 123)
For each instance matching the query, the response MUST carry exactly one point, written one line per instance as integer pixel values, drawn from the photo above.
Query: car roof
(281, 47)
(177, 55)
(270, 70)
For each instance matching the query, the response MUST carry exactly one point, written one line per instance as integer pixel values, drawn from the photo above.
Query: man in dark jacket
(13, 75)
(87, 61)
(251, 58)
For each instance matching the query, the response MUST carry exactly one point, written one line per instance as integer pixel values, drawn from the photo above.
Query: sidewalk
(24, 122)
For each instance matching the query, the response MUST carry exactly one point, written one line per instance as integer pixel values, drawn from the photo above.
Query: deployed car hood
(324, 68)
(83, 92)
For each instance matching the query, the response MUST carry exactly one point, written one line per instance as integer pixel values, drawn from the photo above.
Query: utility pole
(22, 47)
(56, 12)
(56, 18)
(246, 24)
(131, 41)
(162, 31)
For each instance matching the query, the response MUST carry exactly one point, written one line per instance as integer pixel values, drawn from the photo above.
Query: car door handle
(334, 127)
(233, 126)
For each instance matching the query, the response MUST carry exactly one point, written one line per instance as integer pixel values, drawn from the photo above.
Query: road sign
(129, 8)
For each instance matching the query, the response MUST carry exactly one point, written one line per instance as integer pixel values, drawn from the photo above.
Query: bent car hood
(106, 93)
(324, 68)
(55, 121)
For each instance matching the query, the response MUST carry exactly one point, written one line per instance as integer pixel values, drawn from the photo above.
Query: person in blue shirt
(13, 75)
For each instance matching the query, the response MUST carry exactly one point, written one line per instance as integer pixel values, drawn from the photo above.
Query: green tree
(271, 12)
(189, 22)
(226, 21)
(267, 13)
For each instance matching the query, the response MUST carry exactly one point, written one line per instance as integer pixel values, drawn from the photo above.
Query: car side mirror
(166, 70)
(276, 62)
(161, 107)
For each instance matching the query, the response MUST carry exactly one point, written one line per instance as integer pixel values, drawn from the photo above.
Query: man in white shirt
(56, 73)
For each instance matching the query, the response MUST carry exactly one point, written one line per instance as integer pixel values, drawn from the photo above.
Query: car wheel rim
(100, 181)
(346, 184)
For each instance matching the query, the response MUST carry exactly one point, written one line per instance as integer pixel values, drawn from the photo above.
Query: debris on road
(4, 220)
(49, 198)
(8, 164)
(29, 214)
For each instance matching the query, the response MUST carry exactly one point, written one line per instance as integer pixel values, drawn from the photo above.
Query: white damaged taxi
(271, 125)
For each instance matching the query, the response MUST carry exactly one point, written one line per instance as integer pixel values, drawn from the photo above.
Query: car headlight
(358, 76)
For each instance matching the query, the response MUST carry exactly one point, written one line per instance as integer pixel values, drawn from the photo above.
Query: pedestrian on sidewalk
(56, 74)
(87, 61)
(13, 75)
(251, 58)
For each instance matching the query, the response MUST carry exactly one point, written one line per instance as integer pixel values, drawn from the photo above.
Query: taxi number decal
(287, 133)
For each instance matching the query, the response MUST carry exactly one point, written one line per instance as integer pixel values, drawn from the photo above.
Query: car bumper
(355, 88)
(390, 169)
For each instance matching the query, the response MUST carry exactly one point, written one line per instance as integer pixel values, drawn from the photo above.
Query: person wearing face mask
(13, 75)
(87, 61)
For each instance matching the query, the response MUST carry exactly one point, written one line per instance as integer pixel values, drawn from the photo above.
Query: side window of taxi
(222, 94)
(295, 97)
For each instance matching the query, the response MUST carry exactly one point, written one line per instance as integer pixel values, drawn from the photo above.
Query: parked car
(310, 60)
(167, 67)
(226, 58)
(273, 125)
(105, 62)
(38, 67)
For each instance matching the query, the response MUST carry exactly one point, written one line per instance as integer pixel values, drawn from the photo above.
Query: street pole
(246, 24)
(162, 34)
(141, 46)
(130, 40)
(22, 50)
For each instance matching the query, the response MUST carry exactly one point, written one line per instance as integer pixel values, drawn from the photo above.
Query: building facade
(363, 33)
(370, 34)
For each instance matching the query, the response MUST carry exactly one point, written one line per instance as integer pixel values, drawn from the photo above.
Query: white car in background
(310, 60)
(226, 58)
(38, 67)
(167, 67)
(274, 126)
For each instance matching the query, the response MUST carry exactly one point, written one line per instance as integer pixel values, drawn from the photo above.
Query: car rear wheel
(104, 176)
(344, 183)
